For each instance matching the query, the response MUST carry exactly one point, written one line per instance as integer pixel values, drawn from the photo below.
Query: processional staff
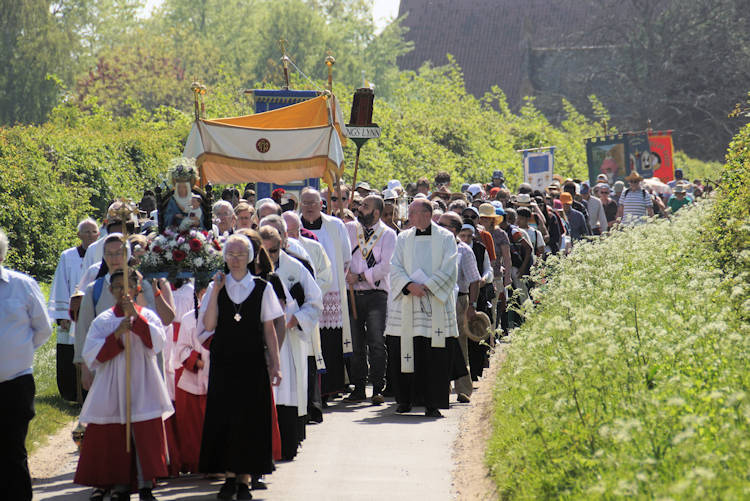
(124, 214)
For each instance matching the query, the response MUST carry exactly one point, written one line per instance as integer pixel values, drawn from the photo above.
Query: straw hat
(634, 176)
(479, 327)
(488, 210)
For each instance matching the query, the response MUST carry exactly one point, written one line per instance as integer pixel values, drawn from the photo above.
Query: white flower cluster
(629, 377)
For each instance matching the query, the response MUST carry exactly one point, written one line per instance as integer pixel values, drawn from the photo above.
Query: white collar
(245, 282)
(4, 275)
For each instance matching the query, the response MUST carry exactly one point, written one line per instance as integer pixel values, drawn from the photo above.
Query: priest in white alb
(421, 329)
(335, 330)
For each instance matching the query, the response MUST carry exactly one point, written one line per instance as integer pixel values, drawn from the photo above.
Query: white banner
(538, 166)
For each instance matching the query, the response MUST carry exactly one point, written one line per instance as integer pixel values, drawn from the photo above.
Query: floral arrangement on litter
(189, 253)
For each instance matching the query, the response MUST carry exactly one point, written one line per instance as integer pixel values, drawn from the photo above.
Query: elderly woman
(238, 320)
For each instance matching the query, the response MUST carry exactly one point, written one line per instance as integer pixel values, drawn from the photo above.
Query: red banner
(661, 154)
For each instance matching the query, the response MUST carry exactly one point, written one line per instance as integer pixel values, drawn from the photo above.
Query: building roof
(490, 39)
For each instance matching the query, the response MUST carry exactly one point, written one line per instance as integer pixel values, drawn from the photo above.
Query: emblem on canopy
(263, 145)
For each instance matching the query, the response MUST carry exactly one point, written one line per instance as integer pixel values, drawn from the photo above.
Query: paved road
(359, 452)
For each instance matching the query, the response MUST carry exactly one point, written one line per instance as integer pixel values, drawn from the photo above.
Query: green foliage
(729, 231)
(54, 175)
(629, 379)
(34, 47)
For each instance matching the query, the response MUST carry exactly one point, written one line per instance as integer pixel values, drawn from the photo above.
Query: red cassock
(104, 461)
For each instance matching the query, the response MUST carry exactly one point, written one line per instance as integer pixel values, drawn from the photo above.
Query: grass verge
(629, 379)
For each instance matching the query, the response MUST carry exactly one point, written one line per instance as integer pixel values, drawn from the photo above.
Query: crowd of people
(404, 289)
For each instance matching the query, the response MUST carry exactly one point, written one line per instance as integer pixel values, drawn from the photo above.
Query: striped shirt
(635, 206)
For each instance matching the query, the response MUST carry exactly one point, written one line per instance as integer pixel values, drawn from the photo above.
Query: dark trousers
(314, 402)
(66, 373)
(17, 396)
(368, 340)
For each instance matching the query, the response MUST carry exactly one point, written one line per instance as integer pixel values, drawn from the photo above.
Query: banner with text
(538, 167)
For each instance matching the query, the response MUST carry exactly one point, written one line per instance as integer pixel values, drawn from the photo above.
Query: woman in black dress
(240, 311)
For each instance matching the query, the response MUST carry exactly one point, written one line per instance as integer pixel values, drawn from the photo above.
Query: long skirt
(104, 463)
(434, 368)
(191, 410)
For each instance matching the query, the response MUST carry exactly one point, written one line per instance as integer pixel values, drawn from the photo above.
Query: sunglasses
(469, 215)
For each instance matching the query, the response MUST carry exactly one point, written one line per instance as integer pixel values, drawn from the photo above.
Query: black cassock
(434, 368)
(237, 427)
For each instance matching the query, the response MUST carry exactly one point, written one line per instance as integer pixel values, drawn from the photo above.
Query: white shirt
(238, 291)
(94, 253)
(24, 325)
(187, 343)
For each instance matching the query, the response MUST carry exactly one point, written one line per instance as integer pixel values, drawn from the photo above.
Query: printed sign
(538, 167)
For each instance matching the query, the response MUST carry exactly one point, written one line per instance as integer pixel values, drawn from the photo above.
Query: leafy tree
(664, 62)
(34, 60)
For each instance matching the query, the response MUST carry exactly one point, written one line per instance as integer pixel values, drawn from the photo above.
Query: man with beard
(335, 330)
(373, 243)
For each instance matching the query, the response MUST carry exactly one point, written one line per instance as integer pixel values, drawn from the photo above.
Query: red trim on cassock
(104, 463)
(141, 329)
(207, 342)
(275, 432)
(175, 331)
(189, 362)
(173, 445)
(112, 347)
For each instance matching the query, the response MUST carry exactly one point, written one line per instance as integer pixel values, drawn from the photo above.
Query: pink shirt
(383, 251)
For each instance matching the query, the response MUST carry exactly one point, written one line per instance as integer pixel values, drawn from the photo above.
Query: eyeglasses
(237, 255)
(311, 203)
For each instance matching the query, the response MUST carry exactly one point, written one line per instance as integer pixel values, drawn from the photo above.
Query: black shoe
(377, 399)
(357, 395)
(98, 494)
(403, 408)
(120, 496)
(432, 413)
(228, 490)
(146, 494)
(257, 483)
(243, 492)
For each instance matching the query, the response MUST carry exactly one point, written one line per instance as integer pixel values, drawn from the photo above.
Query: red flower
(178, 255)
(216, 245)
(205, 233)
(195, 245)
(158, 249)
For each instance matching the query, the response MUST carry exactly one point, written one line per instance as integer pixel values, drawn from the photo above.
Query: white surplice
(293, 351)
(105, 402)
(324, 278)
(432, 261)
(67, 275)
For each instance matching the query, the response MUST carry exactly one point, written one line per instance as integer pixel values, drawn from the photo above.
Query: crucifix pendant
(237, 317)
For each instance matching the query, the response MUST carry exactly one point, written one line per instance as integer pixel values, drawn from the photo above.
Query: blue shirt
(24, 323)
(577, 221)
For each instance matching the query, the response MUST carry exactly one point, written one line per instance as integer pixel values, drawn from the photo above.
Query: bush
(630, 379)
(54, 175)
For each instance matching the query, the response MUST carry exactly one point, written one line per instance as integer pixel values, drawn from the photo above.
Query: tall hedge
(54, 175)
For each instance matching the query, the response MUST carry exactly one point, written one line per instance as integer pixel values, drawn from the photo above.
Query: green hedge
(53, 175)
(629, 379)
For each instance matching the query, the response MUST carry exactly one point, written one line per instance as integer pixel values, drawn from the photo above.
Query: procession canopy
(300, 141)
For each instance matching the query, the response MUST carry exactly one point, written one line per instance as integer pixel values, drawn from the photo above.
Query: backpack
(516, 254)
